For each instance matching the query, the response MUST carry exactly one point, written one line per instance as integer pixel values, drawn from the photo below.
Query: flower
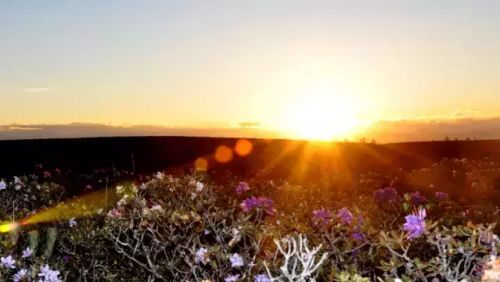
(201, 256)
(388, 194)
(199, 186)
(358, 236)
(262, 278)
(17, 180)
(27, 252)
(21, 275)
(249, 204)
(417, 199)
(345, 216)
(48, 274)
(232, 278)
(242, 187)
(115, 213)
(3, 186)
(236, 260)
(266, 204)
(159, 175)
(322, 216)
(415, 224)
(441, 196)
(72, 222)
(8, 262)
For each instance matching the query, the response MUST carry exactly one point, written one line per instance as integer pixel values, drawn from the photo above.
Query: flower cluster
(386, 195)
(321, 217)
(345, 216)
(417, 199)
(262, 203)
(48, 275)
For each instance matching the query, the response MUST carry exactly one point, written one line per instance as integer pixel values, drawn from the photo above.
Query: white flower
(17, 180)
(236, 260)
(232, 278)
(159, 175)
(199, 186)
(201, 256)
(156, 208)
(120, 189)
(72, 222)
(398, 280)
(8, 262)
(3, 186)
(27, 252)
(21, 275)
(48, 274)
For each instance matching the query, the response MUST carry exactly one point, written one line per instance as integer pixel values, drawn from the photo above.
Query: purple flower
(441, 196)
(236, 260)
(266, 204)
(249, 204)
(21, 275)
(417, 199)
(415, 224)
(262, 278)
(242, 187)
(27, 253)
(322, 216)
(358, 236)
(201, 256)
(386, 195)
(232, 278)
(8, 262)
(345, 216)
(48, 274)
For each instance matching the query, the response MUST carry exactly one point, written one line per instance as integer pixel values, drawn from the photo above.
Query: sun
(321, 116)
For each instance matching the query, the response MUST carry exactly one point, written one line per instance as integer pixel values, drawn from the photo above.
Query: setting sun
(321, 116)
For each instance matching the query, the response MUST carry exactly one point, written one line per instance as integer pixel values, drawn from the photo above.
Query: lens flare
(201, 164)
(243, 147)
(223, 154)
(8, 227)
(83, 206)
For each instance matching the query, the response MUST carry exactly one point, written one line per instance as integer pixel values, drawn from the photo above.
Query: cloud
(37, 89)
(248, 124)
(80, 130)
(426, 130)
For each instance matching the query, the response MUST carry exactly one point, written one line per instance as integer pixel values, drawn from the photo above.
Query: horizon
(321, 70)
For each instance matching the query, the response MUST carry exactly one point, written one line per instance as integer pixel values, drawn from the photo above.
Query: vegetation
(189, 228)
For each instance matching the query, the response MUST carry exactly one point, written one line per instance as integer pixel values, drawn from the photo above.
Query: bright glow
(8, 227)
(321, 115)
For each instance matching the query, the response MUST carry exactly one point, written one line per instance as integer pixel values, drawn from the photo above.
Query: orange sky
(311, 68)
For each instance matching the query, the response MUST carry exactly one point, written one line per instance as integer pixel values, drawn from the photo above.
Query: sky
(276, 64)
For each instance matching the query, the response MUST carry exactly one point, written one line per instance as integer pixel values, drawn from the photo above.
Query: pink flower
(242, 187)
